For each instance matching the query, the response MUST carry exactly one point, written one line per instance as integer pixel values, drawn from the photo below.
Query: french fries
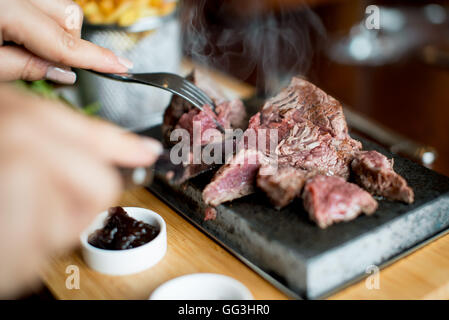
(124, 12)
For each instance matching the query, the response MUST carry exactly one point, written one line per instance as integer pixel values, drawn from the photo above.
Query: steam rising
(272, 45)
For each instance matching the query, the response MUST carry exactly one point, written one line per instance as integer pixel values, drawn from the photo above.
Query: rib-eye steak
(312, 140)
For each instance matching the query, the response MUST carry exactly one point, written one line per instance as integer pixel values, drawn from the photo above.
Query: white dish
(202, 286)
(121, 262)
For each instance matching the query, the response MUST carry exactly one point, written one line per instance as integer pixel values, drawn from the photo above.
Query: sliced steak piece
(331, 199)
(281, 185)
(181, 114)
(235, 179)
(204, 120)
(375, 173)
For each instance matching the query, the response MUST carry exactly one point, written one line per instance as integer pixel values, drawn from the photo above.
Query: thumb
(18, 63)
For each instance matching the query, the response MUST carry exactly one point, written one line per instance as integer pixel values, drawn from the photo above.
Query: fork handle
(124, 77)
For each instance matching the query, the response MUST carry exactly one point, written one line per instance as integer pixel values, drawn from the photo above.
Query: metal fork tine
(195, 94)
(170, 82)
(175, 85)
(187, 94)
(191, 92)
(192, 88)
(204, 97)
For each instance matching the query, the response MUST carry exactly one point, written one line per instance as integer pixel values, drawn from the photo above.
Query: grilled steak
(332, 199)
(282, 185)
(181, 114)
(313, 145)
(375, 173)
(312, 135)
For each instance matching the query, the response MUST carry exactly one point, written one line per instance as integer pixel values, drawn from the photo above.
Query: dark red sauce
(122, 232)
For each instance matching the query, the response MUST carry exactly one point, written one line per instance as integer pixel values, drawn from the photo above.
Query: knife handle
(136, 177)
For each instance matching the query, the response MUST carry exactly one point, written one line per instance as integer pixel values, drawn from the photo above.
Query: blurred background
(386, 61)
(397, 75)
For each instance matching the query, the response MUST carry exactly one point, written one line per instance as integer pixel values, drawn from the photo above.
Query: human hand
(57, 170)
(46, 34)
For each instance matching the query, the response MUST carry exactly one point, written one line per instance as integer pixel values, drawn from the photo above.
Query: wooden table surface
(422, 275)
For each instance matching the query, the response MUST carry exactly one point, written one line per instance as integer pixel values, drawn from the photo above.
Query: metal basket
(153, 45)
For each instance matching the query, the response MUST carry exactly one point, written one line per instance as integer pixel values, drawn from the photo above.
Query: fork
(169, 82)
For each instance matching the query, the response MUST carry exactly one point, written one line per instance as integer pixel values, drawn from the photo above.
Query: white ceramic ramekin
(121, 262)
(202, 286)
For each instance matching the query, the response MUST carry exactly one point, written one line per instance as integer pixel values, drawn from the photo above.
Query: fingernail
(153, 145)
(60, 75)
(125, 62)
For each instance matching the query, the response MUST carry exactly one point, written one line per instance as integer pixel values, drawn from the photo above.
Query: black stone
(289, 249)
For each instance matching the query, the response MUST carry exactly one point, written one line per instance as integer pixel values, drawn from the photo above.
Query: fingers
(65, 12)
(120, 147)
(107, 141)
(65, 185)
(87, 183)
(47, 39)
(18, 63)
(101, 138)
(26, 223)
